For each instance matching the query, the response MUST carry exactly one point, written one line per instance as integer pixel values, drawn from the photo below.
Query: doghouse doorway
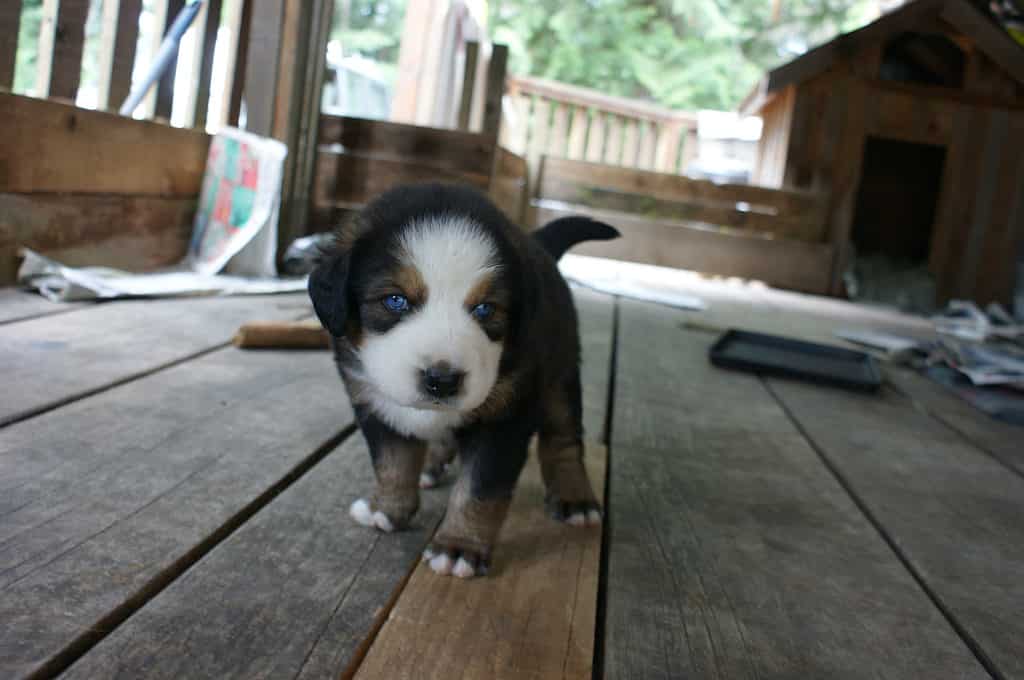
(893, 222)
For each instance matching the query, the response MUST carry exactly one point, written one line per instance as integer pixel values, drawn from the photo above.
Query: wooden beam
(796, 265)
(54, 147)
(10, 23)
(129, 232)
(263, 51)
(495, 91)
(987, 36)
(456, 149)
(468, 84)
(238, 21)
(352, 179)
(565, 179)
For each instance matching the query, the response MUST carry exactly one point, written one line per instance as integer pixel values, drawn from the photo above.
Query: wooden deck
(171, 506)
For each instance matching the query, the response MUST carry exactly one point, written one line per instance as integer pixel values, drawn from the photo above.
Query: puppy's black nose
(441, 380)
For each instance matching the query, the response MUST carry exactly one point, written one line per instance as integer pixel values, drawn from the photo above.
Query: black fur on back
(562, 234)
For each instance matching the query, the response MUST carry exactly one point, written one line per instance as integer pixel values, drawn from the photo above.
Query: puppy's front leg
(397, 462)
(491, 460)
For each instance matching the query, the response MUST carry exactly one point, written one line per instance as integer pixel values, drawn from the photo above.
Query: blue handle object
(168, 48)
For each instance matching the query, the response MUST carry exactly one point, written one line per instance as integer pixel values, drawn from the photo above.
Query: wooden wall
(359, 158)
(89, 187)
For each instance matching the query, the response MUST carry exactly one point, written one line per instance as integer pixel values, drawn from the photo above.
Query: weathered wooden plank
(354, 178)
(135, 233)
(318, 584)
(532, 616)
(314, 579)
(734, 215)
(999, 439)
(796, 265)
(494, 91)
(10, 22)
(464, 151)
(18, 305)
(734, 552)
(509, 187)
(468, 84)
(595, 311)
(952, 511)
(561, 174)
(110, 498)
(54, 147)
(54, 360)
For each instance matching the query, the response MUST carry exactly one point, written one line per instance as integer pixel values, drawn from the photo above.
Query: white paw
(580, 519)
(427, 480)
(441, 564)
(365, 515)
(463, 569)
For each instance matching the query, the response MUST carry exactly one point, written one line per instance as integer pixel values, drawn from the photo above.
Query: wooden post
(117, 52)
(239, 18)
(495, 90)
(10, 22)
(468, 84)
(283, 82)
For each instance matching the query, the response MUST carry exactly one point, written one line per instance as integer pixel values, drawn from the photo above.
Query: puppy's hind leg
(569, 496)
(440, 454)
(397, 462)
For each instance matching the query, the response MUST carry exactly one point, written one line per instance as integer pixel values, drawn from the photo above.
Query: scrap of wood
(282, 335)
(532, 616)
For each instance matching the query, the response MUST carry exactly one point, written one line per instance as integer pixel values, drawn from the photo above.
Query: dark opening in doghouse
(924, 59)
(893, 220)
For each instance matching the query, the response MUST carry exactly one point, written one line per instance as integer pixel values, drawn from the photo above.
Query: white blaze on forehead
(452, 255)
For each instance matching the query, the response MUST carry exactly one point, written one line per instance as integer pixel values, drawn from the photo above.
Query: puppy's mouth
(435, 405)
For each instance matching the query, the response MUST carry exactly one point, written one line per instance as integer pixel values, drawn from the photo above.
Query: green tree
(685, 54)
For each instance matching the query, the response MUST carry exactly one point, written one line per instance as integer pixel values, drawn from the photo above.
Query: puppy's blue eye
(396, 303)
(483, 311)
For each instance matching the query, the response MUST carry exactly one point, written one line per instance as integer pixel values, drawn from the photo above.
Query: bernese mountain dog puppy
(455, 334)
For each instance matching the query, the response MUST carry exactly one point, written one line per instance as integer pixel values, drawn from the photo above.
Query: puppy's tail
(562, 234)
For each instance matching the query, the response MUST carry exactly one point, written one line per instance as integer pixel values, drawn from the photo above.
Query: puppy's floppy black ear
(328, 289)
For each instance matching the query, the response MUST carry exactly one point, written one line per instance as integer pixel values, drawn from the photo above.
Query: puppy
(454, 333)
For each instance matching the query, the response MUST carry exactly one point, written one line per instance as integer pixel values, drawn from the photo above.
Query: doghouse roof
(961, 15)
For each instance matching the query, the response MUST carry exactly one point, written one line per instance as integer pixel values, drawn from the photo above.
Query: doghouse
(913, 126)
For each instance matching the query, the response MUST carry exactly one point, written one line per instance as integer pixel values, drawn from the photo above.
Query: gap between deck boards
(32, 412)
(81, 645)
(961, 631)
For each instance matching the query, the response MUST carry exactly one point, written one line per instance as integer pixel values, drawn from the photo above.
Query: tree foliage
(686, 54)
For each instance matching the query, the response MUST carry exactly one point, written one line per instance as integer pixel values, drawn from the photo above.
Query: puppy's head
(423, 291)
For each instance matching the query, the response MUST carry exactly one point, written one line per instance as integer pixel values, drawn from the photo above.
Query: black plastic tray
(774, 355)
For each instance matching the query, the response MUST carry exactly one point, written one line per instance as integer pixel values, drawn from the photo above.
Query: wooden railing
(544, 117)
(62, 40)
